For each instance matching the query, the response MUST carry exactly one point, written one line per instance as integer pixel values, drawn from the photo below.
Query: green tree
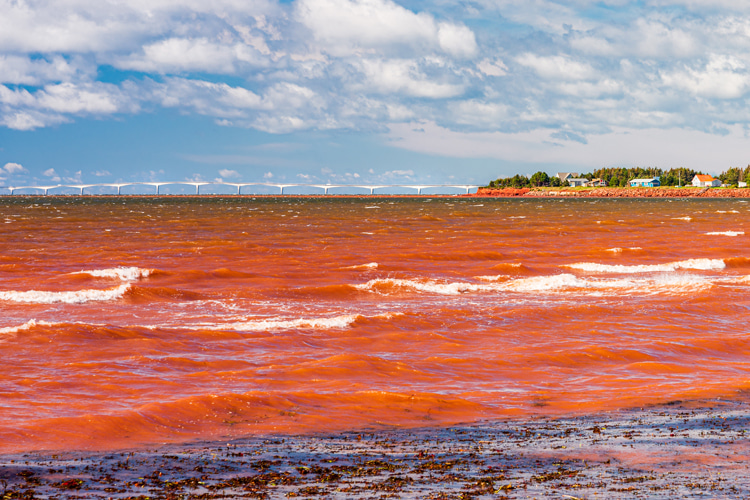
(539, 179)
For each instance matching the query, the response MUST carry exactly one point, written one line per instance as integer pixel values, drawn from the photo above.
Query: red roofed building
(705, 181)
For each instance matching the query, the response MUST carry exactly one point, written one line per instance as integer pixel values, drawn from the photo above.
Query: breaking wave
(697, 264)
(553, 283)
(72, 297)
(261, 325)
(726, 233)
(122, 273)
(371, 265)
(26, 326)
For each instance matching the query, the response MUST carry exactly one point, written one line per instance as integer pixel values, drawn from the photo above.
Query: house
(652, 182)
(742, 184)
(597, 183)
(576, 182)
(564, 176)
(705, 181)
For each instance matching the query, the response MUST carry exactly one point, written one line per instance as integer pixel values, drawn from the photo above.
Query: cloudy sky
(368, 91)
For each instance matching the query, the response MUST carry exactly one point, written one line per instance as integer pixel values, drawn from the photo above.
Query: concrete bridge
(83, 188)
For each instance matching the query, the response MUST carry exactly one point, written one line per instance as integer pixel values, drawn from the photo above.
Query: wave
(371, 265)
(469, 256)
(737, 262)
(726, 233)
(549, 283)
(697, 264)
(122, 273)
(149, 294)
(387, 286)
(71, 297)
(26, 326)
(620, 250)
(261, 325)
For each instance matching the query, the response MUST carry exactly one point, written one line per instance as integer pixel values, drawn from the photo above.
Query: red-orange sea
(139, 321)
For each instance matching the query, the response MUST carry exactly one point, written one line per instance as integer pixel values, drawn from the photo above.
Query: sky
(368, 91)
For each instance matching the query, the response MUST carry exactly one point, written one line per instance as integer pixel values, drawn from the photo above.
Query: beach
(682, 450)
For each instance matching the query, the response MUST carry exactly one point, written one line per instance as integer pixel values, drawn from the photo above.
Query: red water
(143, 321)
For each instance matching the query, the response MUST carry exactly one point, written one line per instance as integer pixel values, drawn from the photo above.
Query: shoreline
(690, 449)
(612, 192)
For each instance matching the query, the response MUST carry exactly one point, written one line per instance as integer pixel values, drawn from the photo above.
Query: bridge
(83, 188)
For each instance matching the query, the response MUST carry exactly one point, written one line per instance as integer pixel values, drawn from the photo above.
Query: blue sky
(368, 91)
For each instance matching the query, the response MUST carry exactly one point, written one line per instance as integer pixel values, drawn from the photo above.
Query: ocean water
(139, 321)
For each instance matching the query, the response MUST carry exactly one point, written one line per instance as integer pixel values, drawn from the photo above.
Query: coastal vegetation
(620, 177)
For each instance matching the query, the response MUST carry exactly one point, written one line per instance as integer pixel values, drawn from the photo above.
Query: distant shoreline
(614, 192)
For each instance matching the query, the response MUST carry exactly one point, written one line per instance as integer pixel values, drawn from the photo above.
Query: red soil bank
(617, 192)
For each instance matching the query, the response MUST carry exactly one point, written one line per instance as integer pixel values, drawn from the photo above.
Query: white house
(564, 176)
(705, 181)
(742, 184)
(577, 182)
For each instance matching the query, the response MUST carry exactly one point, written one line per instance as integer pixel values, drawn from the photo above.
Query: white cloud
(22, 70)
(268, 175)
(404, 76)
(492, 68)
(50, 172)
(665, 148)
(722, 77)
(557, 67)
(13, 169)
(479, 114)
(457, 40)
(225, 172)
(183, 54)
(345, 26)
(101, 173)
(398, 173)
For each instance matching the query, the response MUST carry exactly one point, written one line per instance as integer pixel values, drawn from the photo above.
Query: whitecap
(260, 325)
(26, 326)
(371, 265)
(122, 273)
(698, 264)
(682, 218)
(422, 286)
(72, 297)
(726, 233)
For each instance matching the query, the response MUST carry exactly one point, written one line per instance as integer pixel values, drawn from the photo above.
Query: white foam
(371, 265)
(422, 286)
(561, 281)
(26, 326)
(726, 233)
(491, 278)
(261, 325)
(122, 273)
(682, 218)
(698, 264)
(73, 297)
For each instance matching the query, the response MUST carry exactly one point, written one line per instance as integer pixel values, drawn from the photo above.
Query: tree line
(615, 176)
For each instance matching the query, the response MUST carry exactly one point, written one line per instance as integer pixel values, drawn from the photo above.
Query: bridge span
(116, 187)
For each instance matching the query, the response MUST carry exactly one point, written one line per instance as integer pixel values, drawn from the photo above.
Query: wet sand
(680, 450)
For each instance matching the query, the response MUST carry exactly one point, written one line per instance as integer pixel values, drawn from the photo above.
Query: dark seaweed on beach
(674, 453)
